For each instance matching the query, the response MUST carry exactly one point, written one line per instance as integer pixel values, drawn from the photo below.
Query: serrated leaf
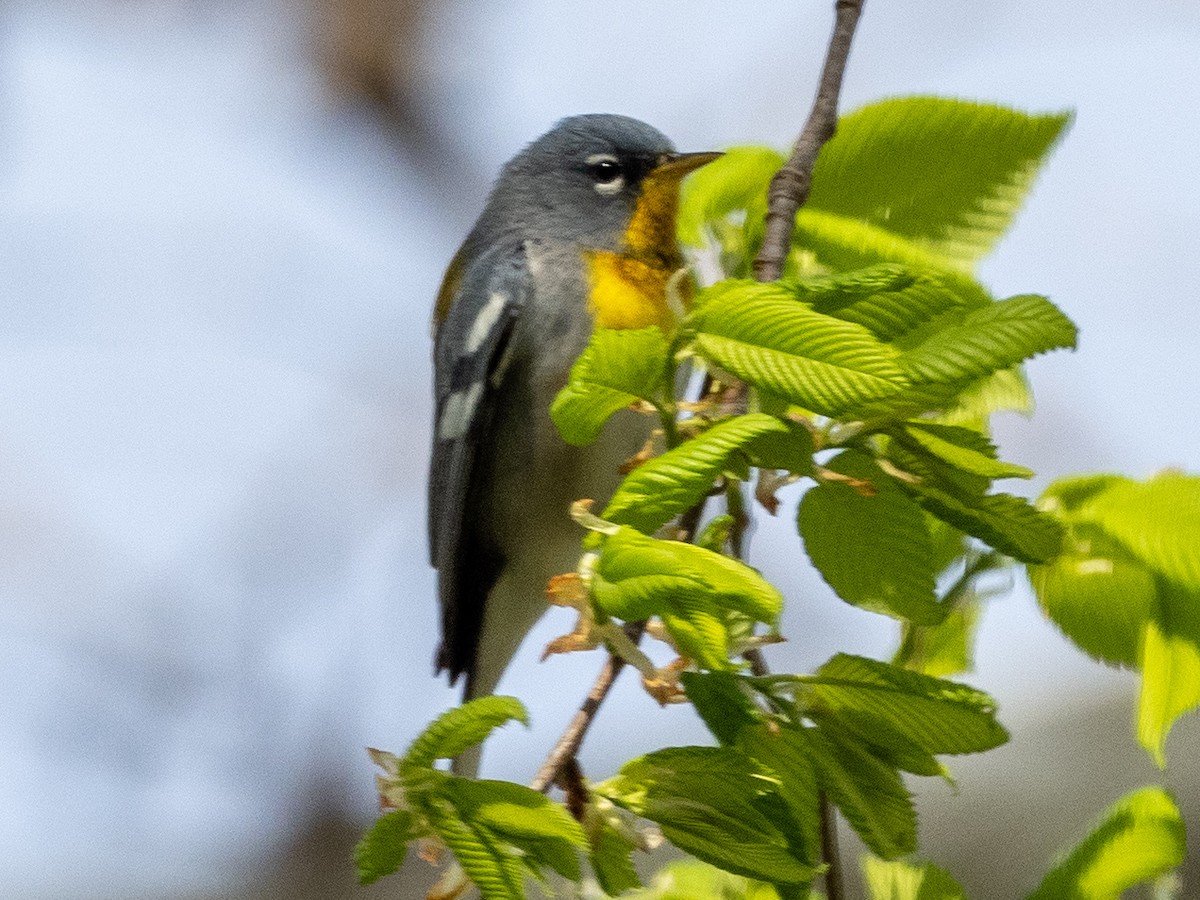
(867, 790)
(663, 487)
(496, 871)
(932, 471)
(1099, 595)
(523, 818)
(873, 550)
(881, 702)
(779, 345)
(616, 369)
(1007, 523)
(963, 448)
(901, 880)
(462, 727)
(698, 630)
(1141, 838)
(715, 535)
(735, 181)
(988, 339)
(704, 799)
(383, 848)
(833, 293)
(892, 309)
(948, 175)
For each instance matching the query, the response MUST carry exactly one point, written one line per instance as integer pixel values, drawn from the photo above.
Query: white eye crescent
(606, 172)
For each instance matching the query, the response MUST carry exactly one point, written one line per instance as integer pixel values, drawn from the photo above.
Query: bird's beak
(677, 165)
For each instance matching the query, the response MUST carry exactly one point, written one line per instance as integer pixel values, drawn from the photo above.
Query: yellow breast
(627, 292)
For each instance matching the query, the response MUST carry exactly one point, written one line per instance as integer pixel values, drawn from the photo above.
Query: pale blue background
(215, 282)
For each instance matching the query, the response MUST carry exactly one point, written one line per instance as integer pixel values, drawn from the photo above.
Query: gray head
(580, 180)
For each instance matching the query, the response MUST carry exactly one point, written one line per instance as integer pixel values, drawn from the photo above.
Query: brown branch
(572, 738)
(834, 889)
(791, 185)
(788, 192)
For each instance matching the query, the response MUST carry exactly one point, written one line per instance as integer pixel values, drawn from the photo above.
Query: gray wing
(470, 365)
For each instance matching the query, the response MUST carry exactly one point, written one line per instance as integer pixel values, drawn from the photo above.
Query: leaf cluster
(499, 832)
(870, 372)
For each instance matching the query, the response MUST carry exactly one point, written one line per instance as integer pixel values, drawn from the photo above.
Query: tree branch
(833, 857)
(791, 185)
(789, 191)
(572, 738)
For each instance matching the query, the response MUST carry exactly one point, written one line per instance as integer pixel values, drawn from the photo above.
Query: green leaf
(663, 487)
(715, 535)
(707, 802)
(947, 648)
(963, 448)
(1099, 595)
(845, 243)
(736, 181)
(611, 850)
(1170, 668)
(687, 586)
(867, 790)
(874, 550)
(722, 702)
(1000, 391)
(1127, 527)
(902, 300)
(764, 337)
(947, 175)
(988, 339)
(900, 880)
(932, 471)
(1140, 838)
(521, 818)
(462, 727)
(893, 708)
(1157, 520)
(690, 879)
(1003, 521)
(383, 848)
(617, 368)
(784, 752)
(495, 870)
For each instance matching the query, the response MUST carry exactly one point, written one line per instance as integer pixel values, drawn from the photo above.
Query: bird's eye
(607, 174)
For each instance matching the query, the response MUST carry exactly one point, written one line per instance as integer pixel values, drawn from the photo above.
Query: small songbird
(578, 231)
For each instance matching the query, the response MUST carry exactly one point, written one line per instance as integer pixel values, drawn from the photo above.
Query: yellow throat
(628, 289)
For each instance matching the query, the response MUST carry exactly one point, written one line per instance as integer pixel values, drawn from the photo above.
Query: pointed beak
(677, 165)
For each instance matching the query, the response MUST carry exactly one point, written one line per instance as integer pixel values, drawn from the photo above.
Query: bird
(577, 232)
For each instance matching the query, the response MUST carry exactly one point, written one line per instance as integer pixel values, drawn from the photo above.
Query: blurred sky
(216, 280)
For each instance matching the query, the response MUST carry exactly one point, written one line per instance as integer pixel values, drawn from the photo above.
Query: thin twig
(834, 890)
(791, 184)
(572, 738)
(789, 191)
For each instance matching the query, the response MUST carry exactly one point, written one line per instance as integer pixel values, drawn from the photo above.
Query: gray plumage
(501, 479)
